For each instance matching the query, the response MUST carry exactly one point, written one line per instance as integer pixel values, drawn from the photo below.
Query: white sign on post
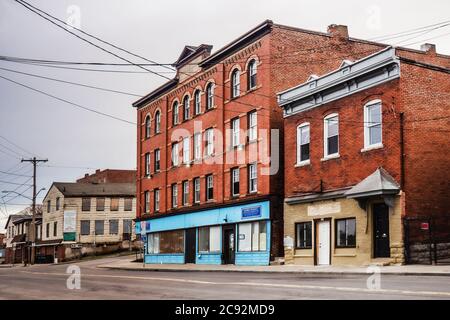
(70, 221)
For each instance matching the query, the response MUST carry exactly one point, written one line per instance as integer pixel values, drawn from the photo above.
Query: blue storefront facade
(238, 234)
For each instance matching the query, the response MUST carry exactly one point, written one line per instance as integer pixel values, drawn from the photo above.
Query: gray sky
(158, 30)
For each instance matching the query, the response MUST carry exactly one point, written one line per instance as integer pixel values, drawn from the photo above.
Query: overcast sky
(158, 30)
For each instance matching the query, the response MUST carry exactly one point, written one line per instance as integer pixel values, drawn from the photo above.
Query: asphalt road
(50, 282)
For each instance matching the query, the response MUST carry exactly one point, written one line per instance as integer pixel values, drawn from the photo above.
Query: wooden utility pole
(32, 229)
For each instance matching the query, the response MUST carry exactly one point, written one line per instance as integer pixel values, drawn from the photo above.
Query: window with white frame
(235, 129)
(209, 141)
(210, 96)
(186, 108)
(209, 187)
(235, 83)
(209, 239)
(186, 150)
(147, 164)
(185, 193)
(156, 200)
(146, 201)
(158, 122)
(252, 126)
(175, 160)
(196, 190)
(147, 125)
(252, 178)
(157, 160)
(197, 146)
(197, 103)
(331, 135)
(252, 69)
(252, 236)
(303, 143)
(235, 182)
(372, 124)
(175, 113)
(174, 195)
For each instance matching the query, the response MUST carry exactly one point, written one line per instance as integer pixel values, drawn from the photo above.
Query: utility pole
(32, 230)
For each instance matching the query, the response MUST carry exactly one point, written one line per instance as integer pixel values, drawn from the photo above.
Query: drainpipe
(402, 152)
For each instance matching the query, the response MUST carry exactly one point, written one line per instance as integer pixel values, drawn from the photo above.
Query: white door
(323, 245)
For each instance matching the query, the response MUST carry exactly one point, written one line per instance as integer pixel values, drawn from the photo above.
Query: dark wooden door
(190, 244)
(381, 230)
(228, 244)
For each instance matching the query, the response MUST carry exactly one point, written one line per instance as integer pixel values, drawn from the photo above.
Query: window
(86, 204)
(210, 96)
(100, 204)
(57, 203)
(372, 124)
(197, 190)
(235, 182)
(185, 193)
(99, 227)
(303, 143)
(252, 178)
(174, 195)
(346, 233)
(235, 128)
(147, 125)
(331, 135)
(303, 235)
(167, 242)
(156, 200)
(114, 204)
(49, 204)
(147, 164)
(252, 69)
(127, 224)
(252, 126)
(186, 108)
(157, 160)
(209, 142)
(209, 239)
(85, 227)
(209, 187)
(158, 122)
(175, 154)
(47, 230)
(128, 204)
(235, 83)
(146, 201)
(197, 103)
(186, 150)
(175, 113)
(252, 236)
(197, 146)
(55, 228)
(114, 226)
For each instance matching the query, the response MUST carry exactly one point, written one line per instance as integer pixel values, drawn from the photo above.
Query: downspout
(402, 152)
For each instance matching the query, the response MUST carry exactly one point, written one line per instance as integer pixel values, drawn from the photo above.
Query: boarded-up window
(86, 204)
(100, 204)
(99, 227)
(113, 226)
(114, 204)
(171, 241)
(127, 226)
(128, 204)
(85, 227)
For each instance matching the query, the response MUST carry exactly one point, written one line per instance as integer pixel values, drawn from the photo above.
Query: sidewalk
(125, 264)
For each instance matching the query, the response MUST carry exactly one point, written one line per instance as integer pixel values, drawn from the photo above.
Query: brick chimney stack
(429, 48)
(339, 31)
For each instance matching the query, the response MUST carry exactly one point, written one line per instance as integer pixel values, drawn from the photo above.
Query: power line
(14, 183)
(14, 144)
(69, 102)
(407, 32)
(438, 36)
(423, 33)
(14, 174)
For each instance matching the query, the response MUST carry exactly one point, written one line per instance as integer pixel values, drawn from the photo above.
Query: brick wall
(110, 176)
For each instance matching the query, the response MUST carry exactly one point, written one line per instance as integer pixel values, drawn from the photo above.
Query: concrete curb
(343, 273)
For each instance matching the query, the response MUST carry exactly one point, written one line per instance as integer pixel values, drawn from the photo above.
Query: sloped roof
(379, 182)
(75, 189)
(16, 217)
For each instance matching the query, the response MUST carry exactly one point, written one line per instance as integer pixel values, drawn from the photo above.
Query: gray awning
(378, 183)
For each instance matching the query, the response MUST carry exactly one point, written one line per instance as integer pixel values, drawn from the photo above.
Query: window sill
(303, 163)
(331, 157)
(372, 147)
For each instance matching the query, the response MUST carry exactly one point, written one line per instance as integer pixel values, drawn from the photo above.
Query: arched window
(175, 112)
(251, 74)
(209, 96)
(158, 122)
(186, 108)
(235, 83)
(197, 103)
(147, 126)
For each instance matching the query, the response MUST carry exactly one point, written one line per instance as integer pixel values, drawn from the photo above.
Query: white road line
(258, 284)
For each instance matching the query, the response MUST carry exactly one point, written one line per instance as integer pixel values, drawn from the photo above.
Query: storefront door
(190, 244)
(323, 242)
(381, 230)
(228, 242)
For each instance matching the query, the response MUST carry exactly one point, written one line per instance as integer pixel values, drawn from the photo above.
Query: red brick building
(109, 176)
(368, 171)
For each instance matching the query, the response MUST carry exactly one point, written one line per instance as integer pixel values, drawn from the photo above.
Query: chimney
(428, 48)
(86, 175)
(97, 171)
(338, 30)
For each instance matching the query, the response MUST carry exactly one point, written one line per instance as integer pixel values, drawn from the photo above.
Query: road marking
(260, 284)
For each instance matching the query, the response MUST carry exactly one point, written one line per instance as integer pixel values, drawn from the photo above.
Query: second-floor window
(147, 164)
(186, 150)
(49, 205)
(86, 204)
(156, 200)
(85, 227)
(175, 161)
(210, 96)
(302, 143)
(157, 160)
(47, 230)
(235, 129)
(197, 103)
(174, 195)
(235, 182)
(185, 193)
(175, 113)
(158, 122)
(252, 126)
(209, 142)
(147, 125)
(252, 178)
(196, 190)
(186, 108)
(372, 124)
(235, 84)
(331, 135)
(99, 227)
(146, 201)
(209, 187)
(57, 203)
(55, 228)
(252, 74)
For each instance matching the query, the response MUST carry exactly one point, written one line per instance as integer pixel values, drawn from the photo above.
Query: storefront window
(303, 235)
(166, 242)
(252, 236)
(346, 232)
(209, 239)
